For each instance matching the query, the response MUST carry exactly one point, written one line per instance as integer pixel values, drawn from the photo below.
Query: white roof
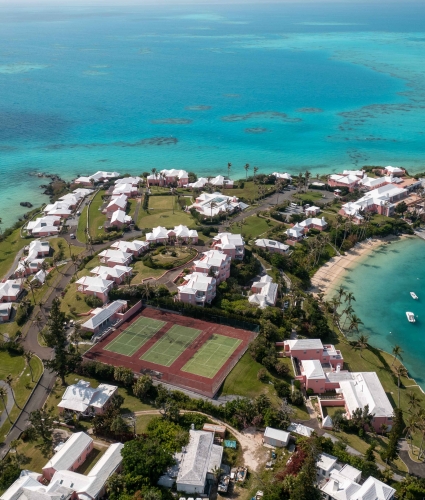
(211, 204)
(211, 258)
(195, 282)
(106, 272)
(71, 198)
(327, 422)
(119, 201)
(5, 308)
(380, 196)
(40, 276)
(277, 434)
(80, 396)
(58, 205)
(102, 175)
(217, 181)
(120, 216)
(157, 233)
(200, 457)
(304, 344)
(65, 458)
(200, 183)
(125, 189)
(326, 461)
(38, 246)
(128, 180)
(100, 316)
(394, 170)
(81, 192)
(303, 430)
(373, 489)
(10, 288)
(95, 284)
(183, 232)
(268, 292)
(345, 179)
(116, 256)
(314, 221)
(129, 246)
(83, 179)
(44, 224)
(340, 487)
(358, 173)
(25, 487)
(312, 208)
(264, 243)
(296, 231)
(181, 174)
(350, 472)
(313, 369)
(282, 176)
(229, 240)
(363, 389)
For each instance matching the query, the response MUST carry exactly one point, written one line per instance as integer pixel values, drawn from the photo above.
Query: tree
(414, 401)
(3, 397)
(400, 371)
(142, 386)
(362, 343)
(383, 428)
(144, 461)
(64, 361)
(42, 422)
(401, 208)
(397, 352)
(229, 166)
(123, 375)
(28, 355)
(355, 322)
(119, 426)
(9, 380)
(246, 170)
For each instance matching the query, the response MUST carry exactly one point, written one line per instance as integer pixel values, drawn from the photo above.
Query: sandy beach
(328, 277)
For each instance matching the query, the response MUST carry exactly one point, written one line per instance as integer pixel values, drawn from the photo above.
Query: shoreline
(328, 278)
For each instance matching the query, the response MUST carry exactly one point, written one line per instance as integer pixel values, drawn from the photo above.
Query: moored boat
(410, 317)
(413, 295)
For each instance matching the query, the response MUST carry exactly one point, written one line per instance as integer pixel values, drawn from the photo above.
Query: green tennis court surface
(169, 347)
(135, 336)
(211, 356)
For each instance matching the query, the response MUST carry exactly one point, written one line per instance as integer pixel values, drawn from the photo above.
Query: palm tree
(246, 170)
(412, 425)
(414, 401)
(349, 297)
(348, 311)
(255, 172)
(229, 166)
(397, 350)
(400, 371)
(307, 177)
(362, 343)
(341, 292)
(3, 396)
(28, 355)
(278, 185)
(9, 380)
(355, 322)
(383, 428)
(213, 204)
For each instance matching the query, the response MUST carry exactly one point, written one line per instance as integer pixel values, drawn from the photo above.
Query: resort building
(37, 249)
(312, 349)
(349, 181)
(199, 184)
(92, 486)
(114, 258)
(117, 274)
(394, 171)
(70, 455)
(99, 176)
(200, 458)
(59, 208)
(230, 244)
(295, 234)
(311, 211)
(126, 189)
(118, 203)
(381, 200)
(221, 181)
(120, 219)
(282, 176)
(325, 464)
(159, 235)
(134, 181)
(183, 234)
(6, 309)
(213, 263)
(28, 486)
(197, 289)
(264, 292)
(135, 247)
(314, 223)
(105, 317)
(168, 178)
(272, 246)
(10, 290)
(211, 204)
(276, 437)
(84, 181)
(85, 400)
(95, 286)
(356, 173)
(48, 225)
(32, 263)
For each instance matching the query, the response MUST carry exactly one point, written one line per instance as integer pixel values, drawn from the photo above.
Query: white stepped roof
(120, 216)
(103, 314)
(79, 396)
(313, 369)
(326, 461)
(265, 243)
(65, 458)
(120, 201)
(305, 344)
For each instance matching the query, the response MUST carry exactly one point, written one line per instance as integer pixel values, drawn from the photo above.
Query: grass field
(9, 248)
(165, 218)
(96, 217)
(211, 356)
(82, 223)
(161, 202)
(134, 337)
(141, 272)
(171, 345)
(253, 226)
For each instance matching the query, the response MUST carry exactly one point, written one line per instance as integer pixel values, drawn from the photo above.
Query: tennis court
(135, 336)
(211, 356)
(169, 347)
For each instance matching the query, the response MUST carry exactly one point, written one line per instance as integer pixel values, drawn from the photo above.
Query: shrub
(262, 375)
(281, 369)
(297, 397)
(297, 384)
(93, 301)
(310, 392)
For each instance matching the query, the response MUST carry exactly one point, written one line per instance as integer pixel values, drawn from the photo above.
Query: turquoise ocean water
(284, 87)
(381, 284)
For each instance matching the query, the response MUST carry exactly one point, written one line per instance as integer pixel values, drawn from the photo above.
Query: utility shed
(276, 437)
(219, 430)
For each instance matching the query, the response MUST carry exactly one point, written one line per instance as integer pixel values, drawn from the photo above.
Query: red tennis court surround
(173, 374)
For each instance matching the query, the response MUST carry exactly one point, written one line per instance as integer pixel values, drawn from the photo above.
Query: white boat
(410, 317)
(413, 295)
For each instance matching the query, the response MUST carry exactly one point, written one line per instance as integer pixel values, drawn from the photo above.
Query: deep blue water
(381, 284)
(284, 87)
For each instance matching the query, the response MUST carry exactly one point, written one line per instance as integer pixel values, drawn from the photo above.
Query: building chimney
(335, 486)
(192, 426)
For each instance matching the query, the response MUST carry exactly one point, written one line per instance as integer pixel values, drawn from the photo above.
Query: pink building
(197, 289)
(213, 263)
(183, 234)
(300, 229)
(71, 455)
(232, 245)
(349, 181)
(6, 309)
(114, 258)
(120, 219)
(95, 286)
(117, 274)
(168, 178)
(118, 203)
(10, 290)
(134, 247)
(82, 399)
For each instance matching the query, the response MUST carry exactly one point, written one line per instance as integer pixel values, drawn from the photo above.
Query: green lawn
(96, 217)
(142, 422)
(22, 386)
(309, 195)
(171, 345)
(142, 272)
(82, 223)
(135, 336)
(9, 247)
(164, 218)
(161, 202)
(10, 328)
(182, 256)
(35, 459)
(253, 227)
(248, 192)
(68, 250)
(92, 459)
(211, 356)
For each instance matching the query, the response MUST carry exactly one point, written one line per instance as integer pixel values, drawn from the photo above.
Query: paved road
(9, 402)
(414, 467)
